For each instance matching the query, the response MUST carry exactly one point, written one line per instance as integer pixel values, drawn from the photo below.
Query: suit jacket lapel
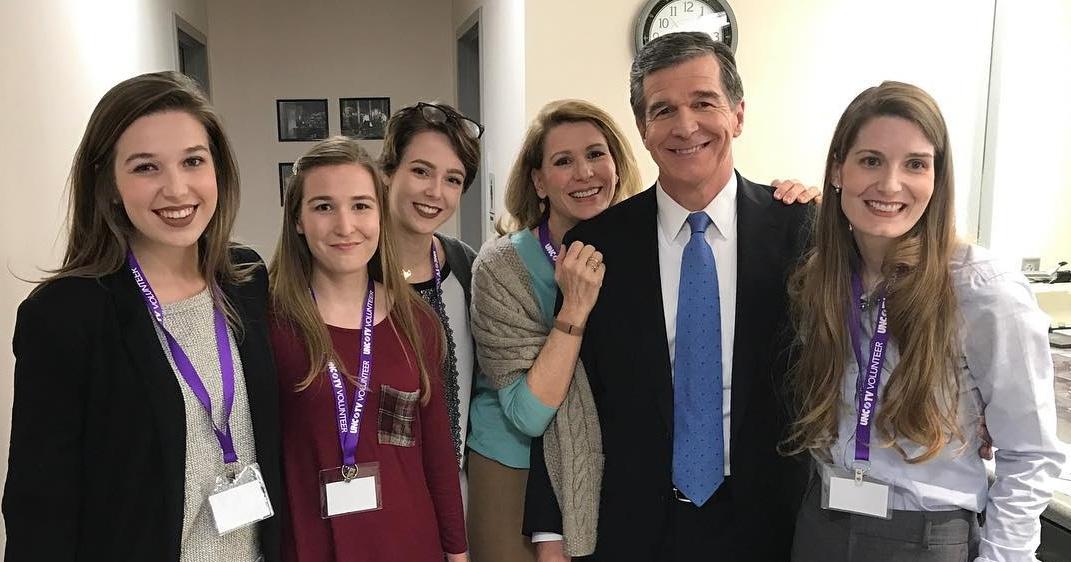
(757, 238)
(160, 387)
(647, 280)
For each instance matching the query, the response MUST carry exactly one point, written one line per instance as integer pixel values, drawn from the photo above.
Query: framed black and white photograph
(286, 169)
(302, 120)
(364, 118)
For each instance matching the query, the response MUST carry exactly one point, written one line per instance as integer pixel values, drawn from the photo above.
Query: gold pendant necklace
(407, 273)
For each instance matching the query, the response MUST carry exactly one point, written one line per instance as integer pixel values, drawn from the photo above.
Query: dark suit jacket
(626, 357)
(98, 429)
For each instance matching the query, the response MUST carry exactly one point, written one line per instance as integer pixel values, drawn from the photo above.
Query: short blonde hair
(523, 206)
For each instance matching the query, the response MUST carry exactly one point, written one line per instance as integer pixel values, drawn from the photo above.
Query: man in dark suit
(685, 349)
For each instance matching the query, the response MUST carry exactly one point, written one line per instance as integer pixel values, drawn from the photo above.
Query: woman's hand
(793, 191)
(578, 272)
(551, 551)
(463, 557)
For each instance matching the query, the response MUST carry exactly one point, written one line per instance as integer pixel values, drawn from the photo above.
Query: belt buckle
(679, 496)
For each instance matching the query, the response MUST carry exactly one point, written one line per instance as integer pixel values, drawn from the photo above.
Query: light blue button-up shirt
(1007, 374)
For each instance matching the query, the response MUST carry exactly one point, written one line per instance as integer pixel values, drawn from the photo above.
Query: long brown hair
(290, 274)
(99, 230)
(524, 208)
(920, 401)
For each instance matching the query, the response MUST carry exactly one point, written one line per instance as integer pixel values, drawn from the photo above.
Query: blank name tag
(842, 492)
(240, 503)
(341, 496)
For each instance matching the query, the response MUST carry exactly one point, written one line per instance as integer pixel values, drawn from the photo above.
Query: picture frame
(286, 170)
(301, 119)
(364, 118)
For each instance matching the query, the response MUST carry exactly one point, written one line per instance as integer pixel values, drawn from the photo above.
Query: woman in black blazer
(113, 455)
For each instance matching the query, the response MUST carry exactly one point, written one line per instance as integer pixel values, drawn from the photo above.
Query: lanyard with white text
(544, 241)
(185, 367)
(349, 425)
(869, 381)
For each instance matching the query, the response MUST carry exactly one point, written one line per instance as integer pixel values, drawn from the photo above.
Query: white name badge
(240, 502)
(346, 490)
(842, 491)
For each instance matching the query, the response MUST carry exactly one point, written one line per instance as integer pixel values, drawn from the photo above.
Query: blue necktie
(698, 451)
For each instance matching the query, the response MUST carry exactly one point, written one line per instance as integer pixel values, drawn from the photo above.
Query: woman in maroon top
(389, 490)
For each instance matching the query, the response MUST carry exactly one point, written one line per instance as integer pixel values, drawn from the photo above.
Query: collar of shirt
(721, 210)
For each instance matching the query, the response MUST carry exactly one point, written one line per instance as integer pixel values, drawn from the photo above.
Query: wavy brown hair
(290, 275)
(408, 122)
(920, 401)
(524, 208)
(99, 230)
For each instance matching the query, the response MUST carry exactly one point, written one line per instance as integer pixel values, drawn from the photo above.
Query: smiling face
(887, 178)
(166, 179)
(426, 187)
(577, 176)
(339, 218)
(688, 125)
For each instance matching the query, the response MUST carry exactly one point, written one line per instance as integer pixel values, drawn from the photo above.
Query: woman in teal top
(503, 420)
(574, 163)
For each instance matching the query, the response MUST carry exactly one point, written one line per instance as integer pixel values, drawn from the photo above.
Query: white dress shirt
(673, 235)
(1006, 372)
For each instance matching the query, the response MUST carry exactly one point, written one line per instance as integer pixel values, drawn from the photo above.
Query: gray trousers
(824, 535)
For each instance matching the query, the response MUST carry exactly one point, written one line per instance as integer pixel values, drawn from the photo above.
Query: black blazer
(98, 429)
(626, 356)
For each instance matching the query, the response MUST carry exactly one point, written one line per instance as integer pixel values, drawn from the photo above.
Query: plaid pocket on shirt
(397, 412)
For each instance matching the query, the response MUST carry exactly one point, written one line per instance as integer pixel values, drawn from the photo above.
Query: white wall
(264, 50)
(801, 63)
(502, 51)
(58, 57)
(1030, 126)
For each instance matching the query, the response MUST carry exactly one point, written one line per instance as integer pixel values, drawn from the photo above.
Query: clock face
(713, 17)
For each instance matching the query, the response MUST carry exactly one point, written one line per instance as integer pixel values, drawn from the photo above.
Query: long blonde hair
(524, 208)
(99, 229)
(920, 401)
(290, 275)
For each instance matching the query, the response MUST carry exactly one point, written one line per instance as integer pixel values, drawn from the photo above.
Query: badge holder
(239, 501)
(852, 491)
(350, 489)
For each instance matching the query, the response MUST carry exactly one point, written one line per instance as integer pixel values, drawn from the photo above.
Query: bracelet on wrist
(571, 329)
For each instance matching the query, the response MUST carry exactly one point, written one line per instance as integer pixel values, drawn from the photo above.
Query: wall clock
(659, 17)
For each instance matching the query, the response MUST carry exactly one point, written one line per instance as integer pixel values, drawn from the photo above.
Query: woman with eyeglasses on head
(908, 337)
(370, 467)
(145, 422)
(430, 157)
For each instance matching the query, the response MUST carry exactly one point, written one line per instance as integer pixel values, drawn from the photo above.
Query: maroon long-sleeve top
(422, 515)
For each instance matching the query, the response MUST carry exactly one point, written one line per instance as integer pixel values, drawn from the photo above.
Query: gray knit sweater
(190, 322)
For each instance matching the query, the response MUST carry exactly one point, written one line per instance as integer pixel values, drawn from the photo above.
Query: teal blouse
(503, 422)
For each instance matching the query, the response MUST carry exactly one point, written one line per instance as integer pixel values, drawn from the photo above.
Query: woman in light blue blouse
(574, 163)
(908, 338)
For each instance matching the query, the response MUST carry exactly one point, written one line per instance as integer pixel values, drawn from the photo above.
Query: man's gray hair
(673, 49)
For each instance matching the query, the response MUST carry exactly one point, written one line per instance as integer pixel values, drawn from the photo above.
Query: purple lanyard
(869, 380)
(185, 367)
(544, 240)
(349, 428)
